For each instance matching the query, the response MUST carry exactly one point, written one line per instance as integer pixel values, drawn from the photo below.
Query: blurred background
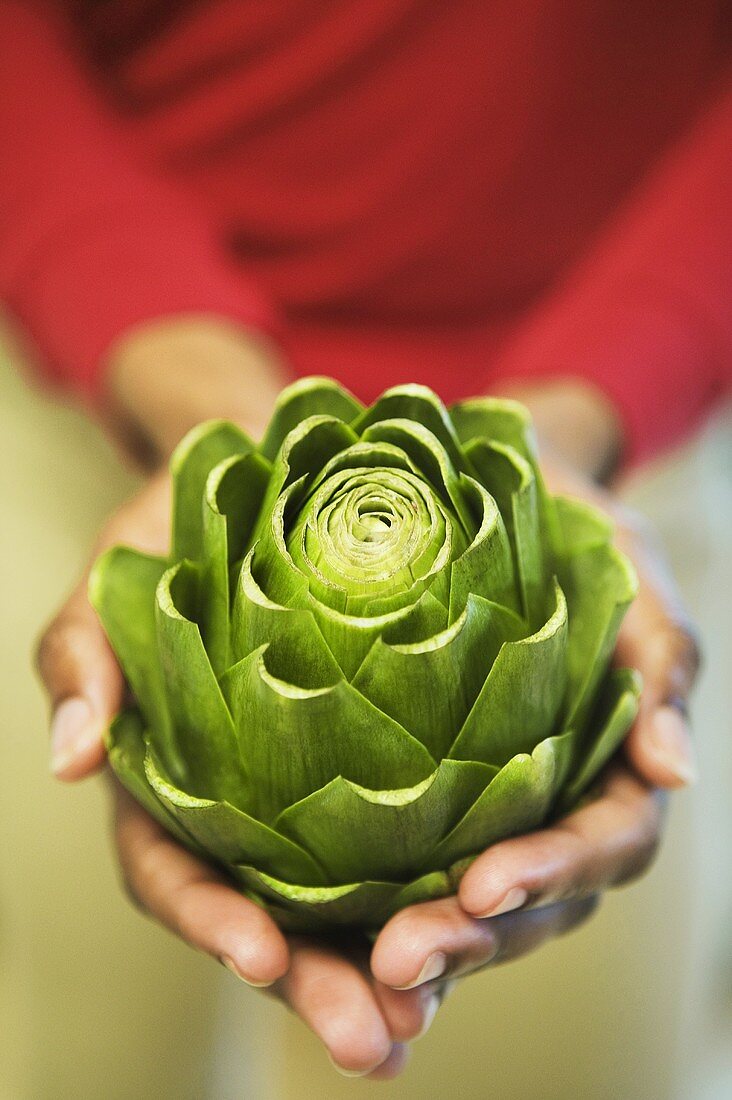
(96, 1002)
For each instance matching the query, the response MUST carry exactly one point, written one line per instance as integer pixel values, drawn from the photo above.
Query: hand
(523, 891)
(362, 1023)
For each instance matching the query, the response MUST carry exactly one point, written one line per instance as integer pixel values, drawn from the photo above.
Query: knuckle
(641, 854)
(131, 892)
(56, 642)
(687, 648)
(580, 911)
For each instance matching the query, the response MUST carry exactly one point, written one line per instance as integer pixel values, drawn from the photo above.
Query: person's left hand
(524, 891)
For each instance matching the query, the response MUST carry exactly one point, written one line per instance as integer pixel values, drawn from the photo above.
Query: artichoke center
(371, 532)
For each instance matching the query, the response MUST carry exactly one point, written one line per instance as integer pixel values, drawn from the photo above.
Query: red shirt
(403, 189)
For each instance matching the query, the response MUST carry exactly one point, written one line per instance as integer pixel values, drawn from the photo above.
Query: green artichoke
(378, 646)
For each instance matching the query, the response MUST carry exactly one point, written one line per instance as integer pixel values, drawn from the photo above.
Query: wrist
(574, 421)
(167, 375)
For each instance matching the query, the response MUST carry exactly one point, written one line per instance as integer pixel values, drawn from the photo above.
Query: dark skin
(367, 1006)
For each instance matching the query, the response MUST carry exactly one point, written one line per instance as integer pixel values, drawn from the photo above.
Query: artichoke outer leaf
(192, 461)
(429, 686)
(614, 714)
(122, 590)
(519, 703)
(420, 405)
(516, 801)
(501, 420)
(296, 649)
(361, 904)
(233, 497)
(495, 418)
(358, 834)
(229, 834)
(304, 398)
(428, 887)
(485, 567)
(126, 743)
(295, 740)
(600, 584)
(511, 481)
(582, 526)
(203, 726)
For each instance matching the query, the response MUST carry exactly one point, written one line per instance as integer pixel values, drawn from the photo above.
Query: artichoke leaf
(511, 481)
(193, 459)
(296, 649)
(600, 583)
(122, 590)
(582, 526)
(361, 904)
(429, 686)
(429, 458)
(358, 834)
(519, 703)
(351, 637)
(425, 618)
(516, 801)
(495, 419)
(126, 743)
(231, 835)
(365, 455)
(302, 455)
(203, 727)
(501, 420)
(315, 396)
(233, 498)
(429, 887)
(295, 740)
(485, 567)
(613, 716)
(420, 405)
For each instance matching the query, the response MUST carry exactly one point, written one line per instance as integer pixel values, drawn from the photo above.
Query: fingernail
(352, 1072)
(430, 1011)
(514, 899)
(672, 745)
(73, 731)
(229, 963)
(435, 967)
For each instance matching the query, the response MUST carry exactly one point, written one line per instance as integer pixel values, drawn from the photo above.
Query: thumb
(84, 683)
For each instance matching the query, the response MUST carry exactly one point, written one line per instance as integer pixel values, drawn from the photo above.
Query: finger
(394, 1064)
(409, 1013)
(85, 685)
(74, 658)
(657, 639)
(189, 898)
(664, 651)
(439, 936)
(610, 840)
(430, 941)
(335, 999)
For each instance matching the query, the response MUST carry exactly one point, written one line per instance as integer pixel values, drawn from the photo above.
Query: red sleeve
(90, 241)
(648, 315)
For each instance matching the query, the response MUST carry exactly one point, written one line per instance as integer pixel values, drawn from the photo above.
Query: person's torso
(406, 161)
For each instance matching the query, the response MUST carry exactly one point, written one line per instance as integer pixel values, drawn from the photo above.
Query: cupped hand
(523, 891)
(363, 1024)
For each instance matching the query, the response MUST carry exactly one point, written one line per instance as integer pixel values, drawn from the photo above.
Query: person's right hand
(364, 1025)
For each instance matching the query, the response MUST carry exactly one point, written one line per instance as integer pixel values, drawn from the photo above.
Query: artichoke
(378, 646)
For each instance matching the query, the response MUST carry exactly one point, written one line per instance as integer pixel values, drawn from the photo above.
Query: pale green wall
(98, 1004)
